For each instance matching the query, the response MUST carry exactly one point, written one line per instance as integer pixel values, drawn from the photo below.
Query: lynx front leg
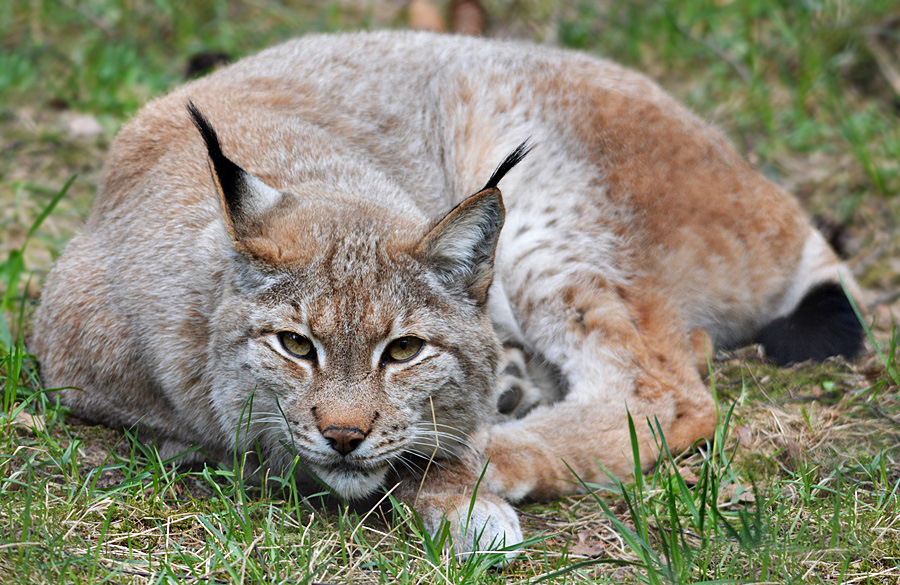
(479, 521)
(620, 353)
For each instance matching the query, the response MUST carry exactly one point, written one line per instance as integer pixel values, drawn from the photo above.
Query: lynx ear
(461, 246)
(242, 195)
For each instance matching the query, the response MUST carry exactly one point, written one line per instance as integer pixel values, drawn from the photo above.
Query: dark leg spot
(513, 369)
(510, 399)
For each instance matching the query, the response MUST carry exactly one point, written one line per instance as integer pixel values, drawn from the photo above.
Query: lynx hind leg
(620, 356)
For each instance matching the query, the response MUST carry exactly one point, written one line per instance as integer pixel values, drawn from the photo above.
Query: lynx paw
(479, 527)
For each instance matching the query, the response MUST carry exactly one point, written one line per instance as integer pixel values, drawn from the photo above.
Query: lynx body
(267, 295)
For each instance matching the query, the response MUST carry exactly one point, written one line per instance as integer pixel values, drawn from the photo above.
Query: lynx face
(347, 335)
(357, 361)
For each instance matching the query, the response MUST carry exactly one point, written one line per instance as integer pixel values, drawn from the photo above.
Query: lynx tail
(822, 326)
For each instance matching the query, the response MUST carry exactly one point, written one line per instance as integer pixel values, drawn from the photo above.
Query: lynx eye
(402, 349)
(297, 345)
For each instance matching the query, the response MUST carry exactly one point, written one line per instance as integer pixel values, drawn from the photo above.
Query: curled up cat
(302, 255)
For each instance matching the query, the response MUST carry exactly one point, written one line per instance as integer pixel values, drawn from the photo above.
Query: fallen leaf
(587, 546)
(745, 435)
(737, 493)
(30, 421)
(688, 475)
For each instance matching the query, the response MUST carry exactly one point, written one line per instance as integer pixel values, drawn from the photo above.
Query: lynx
(301, 255)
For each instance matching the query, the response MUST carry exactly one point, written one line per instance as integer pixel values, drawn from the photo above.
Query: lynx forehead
(298, 256)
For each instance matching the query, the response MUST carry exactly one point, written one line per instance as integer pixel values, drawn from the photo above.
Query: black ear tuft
(823, 325)
(511, 160)
(230, 178)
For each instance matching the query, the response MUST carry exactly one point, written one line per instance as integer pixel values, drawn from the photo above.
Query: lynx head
(348, 334)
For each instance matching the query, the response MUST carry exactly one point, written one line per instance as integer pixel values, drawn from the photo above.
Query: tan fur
(702, 346)
(635, 239)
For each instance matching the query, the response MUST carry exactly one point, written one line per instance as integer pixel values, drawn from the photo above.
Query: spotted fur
(326, 193)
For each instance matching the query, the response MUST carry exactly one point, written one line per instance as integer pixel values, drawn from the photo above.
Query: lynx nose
(343, 439)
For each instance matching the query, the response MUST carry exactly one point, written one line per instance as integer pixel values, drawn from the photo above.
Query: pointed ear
(242, 196)
(460, 248)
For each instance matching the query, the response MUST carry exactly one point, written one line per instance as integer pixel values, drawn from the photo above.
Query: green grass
(799, 485)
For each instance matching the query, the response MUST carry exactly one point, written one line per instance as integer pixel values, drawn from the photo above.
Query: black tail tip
(823, 325)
